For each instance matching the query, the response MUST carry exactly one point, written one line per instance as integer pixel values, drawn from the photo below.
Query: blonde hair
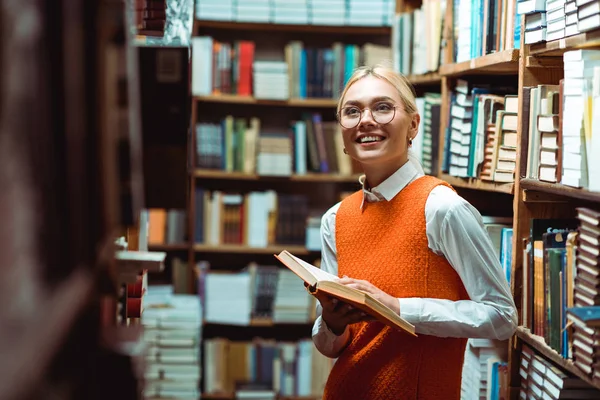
(397, 80)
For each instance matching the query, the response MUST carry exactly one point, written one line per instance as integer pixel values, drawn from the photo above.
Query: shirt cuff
(330, 339)
(410, 309)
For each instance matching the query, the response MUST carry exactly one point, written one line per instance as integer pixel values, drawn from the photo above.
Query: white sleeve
(455, 230)
(327, 342)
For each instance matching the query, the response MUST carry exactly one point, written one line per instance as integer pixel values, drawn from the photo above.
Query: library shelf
(505, 62)
(243, 249)
(262, 322)
(241, 176)
(431, 78)
(235, 99)
(273, 27)
(560, 190)
(478, 184)
(168, 247)
(549, 353)
(558, 47)
(231, 396)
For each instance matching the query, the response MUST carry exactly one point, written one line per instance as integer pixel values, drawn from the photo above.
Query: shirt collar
(389, 188)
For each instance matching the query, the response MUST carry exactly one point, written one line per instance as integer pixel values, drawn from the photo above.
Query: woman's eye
(352, 111)
(383, 107)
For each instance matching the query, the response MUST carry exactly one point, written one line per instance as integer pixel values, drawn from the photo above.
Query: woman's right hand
(337, 314)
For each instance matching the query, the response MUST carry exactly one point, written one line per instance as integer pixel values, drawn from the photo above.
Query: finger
(356, 316)
(345, 280)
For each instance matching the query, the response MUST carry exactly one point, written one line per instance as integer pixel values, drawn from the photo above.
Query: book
(590, 316)
(321, 281)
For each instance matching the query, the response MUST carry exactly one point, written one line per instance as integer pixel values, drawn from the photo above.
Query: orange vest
(386, 244)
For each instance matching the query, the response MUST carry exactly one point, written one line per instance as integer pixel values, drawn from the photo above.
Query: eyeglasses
(350, 116)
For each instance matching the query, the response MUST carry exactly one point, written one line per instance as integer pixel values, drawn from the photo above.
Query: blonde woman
(414, 244)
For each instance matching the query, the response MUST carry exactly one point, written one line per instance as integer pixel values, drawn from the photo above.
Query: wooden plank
(235, 99)
(477, 184)
(243, 249)
(501, 62)
(560, 190)
(241, 176)
(432, 78)
(559, 47)
(168, 247)
(537, 343)
(544, 62)
(300, 28)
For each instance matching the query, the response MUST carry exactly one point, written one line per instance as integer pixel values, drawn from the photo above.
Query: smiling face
(375, 142)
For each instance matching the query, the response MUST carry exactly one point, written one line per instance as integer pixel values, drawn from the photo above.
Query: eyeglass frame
(362, 112)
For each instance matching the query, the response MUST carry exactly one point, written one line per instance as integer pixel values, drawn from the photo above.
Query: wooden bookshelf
(235, 99)
(504, 62)
(231, 396)
(168, 247)
(262, 322)
(549, 353)
(478, 184)
(560, 190)
(240, 176)
(432, 78)
(242, 249)
(558, 47)
(272, 27)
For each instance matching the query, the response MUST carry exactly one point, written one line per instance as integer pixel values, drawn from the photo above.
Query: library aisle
(157, 154)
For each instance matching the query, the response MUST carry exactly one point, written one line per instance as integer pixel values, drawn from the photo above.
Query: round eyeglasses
(350, 116)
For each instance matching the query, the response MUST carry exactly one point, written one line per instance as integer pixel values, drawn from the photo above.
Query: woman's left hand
(367, 287)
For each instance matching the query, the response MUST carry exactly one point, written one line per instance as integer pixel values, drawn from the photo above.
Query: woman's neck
(375, 174)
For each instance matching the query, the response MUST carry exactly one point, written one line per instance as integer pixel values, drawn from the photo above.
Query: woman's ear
(414, 125)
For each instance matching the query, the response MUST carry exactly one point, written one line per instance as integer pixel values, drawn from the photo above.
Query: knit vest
(386, 244)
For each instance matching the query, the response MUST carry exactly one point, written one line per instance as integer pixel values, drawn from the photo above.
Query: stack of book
(541, 379)
(150, 16)
(172, 330)
(271, 80)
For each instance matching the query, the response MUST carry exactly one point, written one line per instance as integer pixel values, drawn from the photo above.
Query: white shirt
(454, 230)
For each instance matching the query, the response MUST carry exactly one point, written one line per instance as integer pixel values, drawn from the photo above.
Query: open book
(319, 280)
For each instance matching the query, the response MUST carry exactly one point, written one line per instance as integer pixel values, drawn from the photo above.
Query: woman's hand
(378, 294)
(337, 314)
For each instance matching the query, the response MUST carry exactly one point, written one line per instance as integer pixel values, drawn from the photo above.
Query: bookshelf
(502, 62)
(235, 99)
(541, 64)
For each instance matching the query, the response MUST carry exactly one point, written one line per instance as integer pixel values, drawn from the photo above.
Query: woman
(414, 244)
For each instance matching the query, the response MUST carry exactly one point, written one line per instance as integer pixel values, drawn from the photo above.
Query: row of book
(166, 226)
(560, 271)
(540, 379)
(485, 370)
(272, 368)
(172, 332)
(481, 136)
(548, 20)
(493, 26)
(302, 12)
(305, 72)
(417, 38)
(309, 145)
(560, 150)
(254, 219)
(254, 296)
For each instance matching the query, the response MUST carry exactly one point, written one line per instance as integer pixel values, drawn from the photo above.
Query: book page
(317, 272)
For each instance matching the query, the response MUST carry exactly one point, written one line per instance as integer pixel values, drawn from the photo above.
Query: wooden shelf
(560, 190)
(231, 396)
(242, 249)
(505, 62)
(538, 344)
(235, 99)
(240, 176)
(272, 27)
(558, 47)
(168, 247)
(262, 322)
(432, 78)
(478, 184)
